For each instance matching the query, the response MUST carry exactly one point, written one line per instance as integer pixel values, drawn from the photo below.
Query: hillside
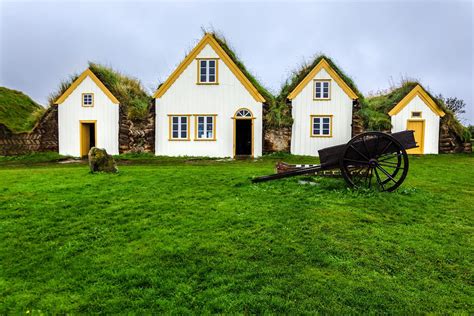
(18, 111)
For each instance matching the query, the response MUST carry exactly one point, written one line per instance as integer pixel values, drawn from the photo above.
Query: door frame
(422, 121)
(234, 136)
(80, 133)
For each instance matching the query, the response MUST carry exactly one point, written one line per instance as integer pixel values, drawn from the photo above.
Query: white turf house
(322, 106)
(208, 107)
(417, 111)
(88, 116)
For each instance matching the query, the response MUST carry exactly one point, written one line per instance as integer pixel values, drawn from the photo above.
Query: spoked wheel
(374, 160)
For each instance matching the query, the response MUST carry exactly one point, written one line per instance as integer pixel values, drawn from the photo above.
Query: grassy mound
(18, 111)
(129, 91)
(375, 113)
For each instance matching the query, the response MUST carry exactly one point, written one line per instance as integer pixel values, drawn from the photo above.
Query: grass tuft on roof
(18, 111)
(129, 91)
(375, 113)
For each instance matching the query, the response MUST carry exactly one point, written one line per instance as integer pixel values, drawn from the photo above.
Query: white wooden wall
(71, 111)
(399, 123)
(186, 97)
(303, 106)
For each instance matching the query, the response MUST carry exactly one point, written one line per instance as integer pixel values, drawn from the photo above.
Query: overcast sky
(376, 43)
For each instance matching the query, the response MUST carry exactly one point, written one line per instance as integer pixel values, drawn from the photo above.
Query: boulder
(100, 161)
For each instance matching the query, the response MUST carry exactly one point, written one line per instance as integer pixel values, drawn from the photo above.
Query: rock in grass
(99, 161)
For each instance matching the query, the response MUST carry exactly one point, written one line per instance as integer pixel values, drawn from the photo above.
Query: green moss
(18, 111)
(129, 91)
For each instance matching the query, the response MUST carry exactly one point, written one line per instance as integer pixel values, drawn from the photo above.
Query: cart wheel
(374, 159)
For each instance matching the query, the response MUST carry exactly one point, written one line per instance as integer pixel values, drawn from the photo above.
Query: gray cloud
(42, 43)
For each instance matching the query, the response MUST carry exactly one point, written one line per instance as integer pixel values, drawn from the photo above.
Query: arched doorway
(243, 133)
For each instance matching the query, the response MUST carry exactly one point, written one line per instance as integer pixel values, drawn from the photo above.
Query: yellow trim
(323, 64)
(88, 106)
(314, 90)
(209, 39)
(420, 92)
(421, 149)
(234, 135)
(321, 116)
(214, 131)
(199, 71)
(80, 134)
(170, 134)
(77, 82)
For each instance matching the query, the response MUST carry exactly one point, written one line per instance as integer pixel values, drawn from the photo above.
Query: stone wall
(275, 140)
(43, 137)
(450, 143)
(137, 136)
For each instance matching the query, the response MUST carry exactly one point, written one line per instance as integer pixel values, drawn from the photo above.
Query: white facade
(431, 123)
(71, 113)
(186, 97)
(304, 106)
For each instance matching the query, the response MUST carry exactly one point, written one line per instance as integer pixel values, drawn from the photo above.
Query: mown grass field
(170, 235)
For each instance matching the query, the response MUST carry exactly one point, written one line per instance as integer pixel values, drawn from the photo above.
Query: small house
(209, 106)
(322, 103)
(88, 116)
(419, 112)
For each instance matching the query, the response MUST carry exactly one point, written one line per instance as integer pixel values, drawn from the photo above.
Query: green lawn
(196, 236)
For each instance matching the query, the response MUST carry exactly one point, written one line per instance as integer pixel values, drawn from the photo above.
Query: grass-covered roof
(375, 113)
(129, 91)
(18, 111)
(230, 52)
(301, 72)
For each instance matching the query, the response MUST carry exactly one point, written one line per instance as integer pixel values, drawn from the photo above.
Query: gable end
(323, 64)
(209, 39)
(79, 80)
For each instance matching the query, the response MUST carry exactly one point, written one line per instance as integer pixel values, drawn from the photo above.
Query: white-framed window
(321, 125)
(179, 127)
(87, 99)
(322, 89)
(205, 128)
(207, 71)
(416, 114)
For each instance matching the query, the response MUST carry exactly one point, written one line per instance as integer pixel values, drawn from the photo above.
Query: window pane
(200, 119)
(326, 85)
(175, 119)
(325, 132)
(212, 63)
(212, 71)
(175, 134)
(326, 120)
(183, 134)
(184, 119)
(209, 119)
(212, 78)
(203, 64)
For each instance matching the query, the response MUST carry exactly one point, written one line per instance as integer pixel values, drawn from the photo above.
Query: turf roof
(230, 52)
(129, 91)
(18, 111)
(298, 75)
